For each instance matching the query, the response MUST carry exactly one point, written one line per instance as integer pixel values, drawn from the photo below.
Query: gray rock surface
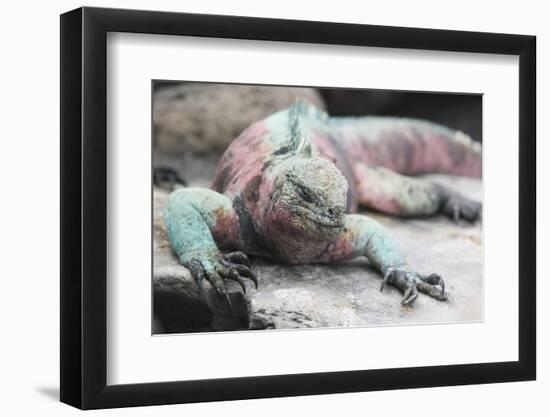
(342, 294)
(202, 117)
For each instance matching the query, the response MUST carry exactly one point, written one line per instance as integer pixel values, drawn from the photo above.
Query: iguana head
(309, 194)
(309, 198)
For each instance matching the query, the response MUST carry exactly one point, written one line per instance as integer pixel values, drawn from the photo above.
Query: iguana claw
(197, 271)
(411, 283)
(247, 272)
(215, 268)
(234, 276)
(238, 257)
(458, 207)
(229, 303)
(410, 295)
(384, 282)
(434, 279)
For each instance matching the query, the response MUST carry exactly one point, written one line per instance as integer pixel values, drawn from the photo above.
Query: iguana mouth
(326, 224)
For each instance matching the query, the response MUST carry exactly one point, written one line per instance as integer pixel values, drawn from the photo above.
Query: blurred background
(193, 123)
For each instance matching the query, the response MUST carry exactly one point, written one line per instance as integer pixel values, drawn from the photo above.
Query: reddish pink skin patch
(296, 248)
(242, 160)
(288, 239)
(339, 249)
(369, 195)
(414, 152)
(225, 232)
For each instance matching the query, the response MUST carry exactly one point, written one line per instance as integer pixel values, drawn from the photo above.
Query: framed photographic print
(257, 208)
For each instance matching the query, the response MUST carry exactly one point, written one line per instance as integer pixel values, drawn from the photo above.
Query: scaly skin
(285, 187)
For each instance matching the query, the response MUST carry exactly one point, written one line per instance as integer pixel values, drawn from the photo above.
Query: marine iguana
(286, 189)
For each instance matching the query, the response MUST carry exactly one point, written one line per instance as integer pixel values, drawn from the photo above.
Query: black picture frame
(84, 207)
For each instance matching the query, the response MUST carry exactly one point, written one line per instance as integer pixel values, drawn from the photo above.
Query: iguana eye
(304, 194)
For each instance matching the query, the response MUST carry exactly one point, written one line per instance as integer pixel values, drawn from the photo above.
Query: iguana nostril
(330, 212)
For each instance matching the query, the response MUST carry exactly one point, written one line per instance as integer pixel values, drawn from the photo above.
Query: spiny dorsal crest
(299, 140)
(467, 141)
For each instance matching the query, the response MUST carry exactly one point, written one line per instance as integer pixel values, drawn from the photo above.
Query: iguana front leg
(197, 220)
(363, 236)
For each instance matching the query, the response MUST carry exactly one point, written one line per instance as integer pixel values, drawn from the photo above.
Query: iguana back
(353, 144)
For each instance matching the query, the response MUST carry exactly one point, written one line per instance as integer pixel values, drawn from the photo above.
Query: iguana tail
(408, 146)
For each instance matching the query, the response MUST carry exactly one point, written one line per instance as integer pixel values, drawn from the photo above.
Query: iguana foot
(167, 178)
(456, 207)
(410, 283)
(218, 267)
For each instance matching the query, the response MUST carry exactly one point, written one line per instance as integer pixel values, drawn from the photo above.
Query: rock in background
(202, 117)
